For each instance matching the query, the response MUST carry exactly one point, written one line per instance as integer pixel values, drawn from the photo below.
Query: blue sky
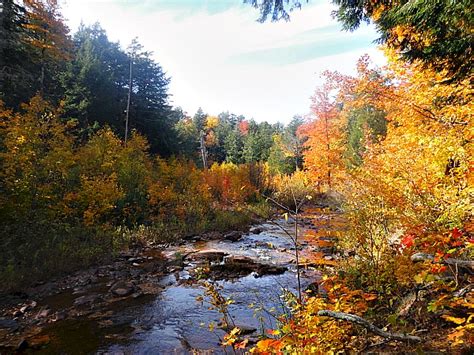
(220, 58)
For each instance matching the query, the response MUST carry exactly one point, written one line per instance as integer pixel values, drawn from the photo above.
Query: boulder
(208, 256)
(122, 288)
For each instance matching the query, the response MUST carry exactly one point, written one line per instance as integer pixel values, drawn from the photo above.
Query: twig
(278, 204)
(467, 264)
(367, 325)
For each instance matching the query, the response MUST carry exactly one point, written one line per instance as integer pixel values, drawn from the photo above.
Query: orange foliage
(323, 158)
(230, 184)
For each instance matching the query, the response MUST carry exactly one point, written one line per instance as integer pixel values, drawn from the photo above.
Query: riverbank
(117, 304)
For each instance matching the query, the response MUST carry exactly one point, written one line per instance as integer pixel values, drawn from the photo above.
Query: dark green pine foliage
(95, 81)
(258, 142)
(34, 48)
(49, 45)
(276, 10)
(233, 146)
(150, 112)
(199, 120)
(96, 88)
(294, 142)
(15, 76)
(448, 24)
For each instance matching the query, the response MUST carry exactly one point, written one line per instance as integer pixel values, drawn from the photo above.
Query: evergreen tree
(199, 119)
(233, 146)
(49, 44)
(150, 112)
(439, 33)
(95, 80)
(15, 75)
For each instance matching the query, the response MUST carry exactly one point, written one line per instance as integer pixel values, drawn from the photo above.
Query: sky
(221, 59)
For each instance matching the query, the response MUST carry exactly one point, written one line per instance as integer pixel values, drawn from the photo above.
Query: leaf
(273, 331)
(242, 344)
(369, 296)
(266, 344)
(392, 319)
(419, 278)
(455, 320)
(234, 331)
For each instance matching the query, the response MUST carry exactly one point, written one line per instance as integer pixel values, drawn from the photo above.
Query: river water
(174, 321)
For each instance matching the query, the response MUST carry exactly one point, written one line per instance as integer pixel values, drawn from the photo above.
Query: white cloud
(195, 52)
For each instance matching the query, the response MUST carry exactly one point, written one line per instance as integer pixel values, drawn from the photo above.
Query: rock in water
(233, 236)
(122, 288)
(9, 324)
(256, 230)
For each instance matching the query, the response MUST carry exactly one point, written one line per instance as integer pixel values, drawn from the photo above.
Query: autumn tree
(436, 33)
(48, 40)
(324, 143)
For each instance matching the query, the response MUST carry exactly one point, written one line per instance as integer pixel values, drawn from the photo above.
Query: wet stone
(233, 236)
(43, 313)
(86, 299)
(208, 256)
(10, 324)
(122, 288)
(256, 230)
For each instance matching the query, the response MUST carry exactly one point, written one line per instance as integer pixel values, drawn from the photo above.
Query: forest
(95, 161)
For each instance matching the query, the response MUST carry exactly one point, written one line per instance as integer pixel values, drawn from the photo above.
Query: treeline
(72, 189)
(89, 77)
(234, 139)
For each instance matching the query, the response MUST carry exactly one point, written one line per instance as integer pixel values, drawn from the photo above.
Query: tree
(324, 145)
(364, 126)
(15, 77)
(34, 47)
(438, 33)
(257, 140)
(150, 111)
(294, 142)
(96, 85)
(279, 160)
(48, 40)
(233, 146)
(199, 119)
(250, 149)
(275, 9)
(95, 80)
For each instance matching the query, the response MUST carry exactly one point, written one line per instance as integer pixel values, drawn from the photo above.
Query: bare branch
(367, 325)
(467, 264)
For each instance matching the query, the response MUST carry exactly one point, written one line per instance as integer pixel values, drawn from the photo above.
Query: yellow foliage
(212, 122)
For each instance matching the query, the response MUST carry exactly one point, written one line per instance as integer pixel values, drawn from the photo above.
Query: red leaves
(244, 127)
(408, 241)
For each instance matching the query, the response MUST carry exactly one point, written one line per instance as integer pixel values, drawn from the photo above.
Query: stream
(156, 310)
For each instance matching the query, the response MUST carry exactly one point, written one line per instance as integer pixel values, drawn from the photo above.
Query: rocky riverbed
(145, 300)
